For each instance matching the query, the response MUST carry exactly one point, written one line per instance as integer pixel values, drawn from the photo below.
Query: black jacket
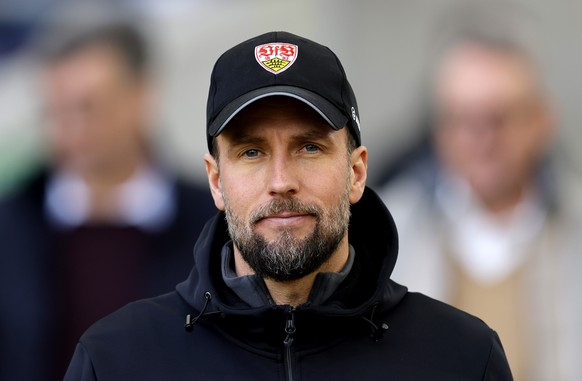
(370, 329)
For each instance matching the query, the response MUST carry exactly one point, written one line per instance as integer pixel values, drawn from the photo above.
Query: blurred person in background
(103, 223)
(490, 222)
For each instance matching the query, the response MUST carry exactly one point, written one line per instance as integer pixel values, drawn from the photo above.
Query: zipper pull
(290, 329)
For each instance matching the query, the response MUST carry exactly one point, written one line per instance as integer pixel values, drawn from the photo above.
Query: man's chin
(273, 237)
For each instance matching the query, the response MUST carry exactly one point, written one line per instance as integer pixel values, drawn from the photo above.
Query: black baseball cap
(280, 63)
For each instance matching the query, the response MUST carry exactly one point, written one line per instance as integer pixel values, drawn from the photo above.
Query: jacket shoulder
(136, 323)
(446, 337)
(435, 318)
(127, 343)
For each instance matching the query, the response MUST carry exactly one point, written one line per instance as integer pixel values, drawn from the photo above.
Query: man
(292, 278)
(105, 223)
(488, 222)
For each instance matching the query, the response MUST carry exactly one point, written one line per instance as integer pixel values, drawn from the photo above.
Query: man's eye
(251, 153)
(311, 148)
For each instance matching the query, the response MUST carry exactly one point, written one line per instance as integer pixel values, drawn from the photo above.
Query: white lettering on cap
(355, 117)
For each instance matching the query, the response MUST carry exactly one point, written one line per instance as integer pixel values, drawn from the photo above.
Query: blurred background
(385, 46)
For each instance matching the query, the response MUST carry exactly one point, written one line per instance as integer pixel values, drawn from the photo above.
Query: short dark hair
(123, 38)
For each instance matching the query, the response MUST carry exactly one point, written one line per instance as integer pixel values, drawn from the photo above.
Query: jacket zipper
(288, 343)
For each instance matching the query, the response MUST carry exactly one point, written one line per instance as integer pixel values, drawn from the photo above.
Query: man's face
(492, 126)
(95, 110)
(285, 182)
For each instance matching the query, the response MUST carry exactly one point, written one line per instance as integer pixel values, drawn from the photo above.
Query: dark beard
(290, 258)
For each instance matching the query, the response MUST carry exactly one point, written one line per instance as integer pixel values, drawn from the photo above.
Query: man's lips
(285, 218)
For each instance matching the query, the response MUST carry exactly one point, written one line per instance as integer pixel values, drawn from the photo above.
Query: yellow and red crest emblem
(276, 57)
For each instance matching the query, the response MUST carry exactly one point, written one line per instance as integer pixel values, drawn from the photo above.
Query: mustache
(277, 206)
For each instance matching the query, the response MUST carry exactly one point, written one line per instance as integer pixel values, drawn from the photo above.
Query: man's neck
(296, 292)
(109, 175)
(103, 184)
(503, 205)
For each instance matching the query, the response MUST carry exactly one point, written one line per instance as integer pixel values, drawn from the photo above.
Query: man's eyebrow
(240, 138)
(315, 134)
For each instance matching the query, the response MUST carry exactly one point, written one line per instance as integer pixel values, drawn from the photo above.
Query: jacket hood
(371, 232)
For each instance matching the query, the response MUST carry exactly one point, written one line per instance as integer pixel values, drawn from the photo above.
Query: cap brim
(331, 114)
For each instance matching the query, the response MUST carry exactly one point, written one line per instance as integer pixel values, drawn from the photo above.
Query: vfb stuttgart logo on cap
(276, 57)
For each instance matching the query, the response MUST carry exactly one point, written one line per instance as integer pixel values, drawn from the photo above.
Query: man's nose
(282, 176)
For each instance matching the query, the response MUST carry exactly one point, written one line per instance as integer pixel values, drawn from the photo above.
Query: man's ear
(213, 175)
(359, 171)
